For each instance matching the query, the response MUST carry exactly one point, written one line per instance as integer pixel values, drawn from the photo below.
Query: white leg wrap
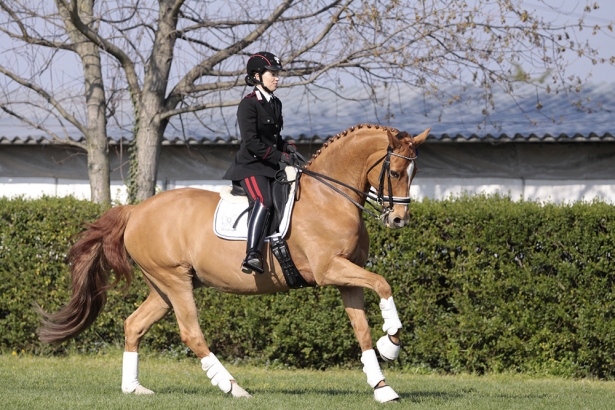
(371, 368)
(391, 319)
(130, 374)
(217, 373)
(387, 349)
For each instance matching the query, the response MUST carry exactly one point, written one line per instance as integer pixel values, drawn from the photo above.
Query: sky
(309, 115)
(604, 43)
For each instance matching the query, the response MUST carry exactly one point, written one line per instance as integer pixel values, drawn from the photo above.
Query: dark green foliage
(487, 284)
(34, 240)
(481, 283)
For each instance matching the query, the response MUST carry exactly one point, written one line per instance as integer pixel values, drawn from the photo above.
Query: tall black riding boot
(256, 236)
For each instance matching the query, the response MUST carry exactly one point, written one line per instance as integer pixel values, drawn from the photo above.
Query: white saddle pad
(231, 206)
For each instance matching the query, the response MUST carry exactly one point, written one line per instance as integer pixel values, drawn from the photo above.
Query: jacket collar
(269, 107)
(261, 94)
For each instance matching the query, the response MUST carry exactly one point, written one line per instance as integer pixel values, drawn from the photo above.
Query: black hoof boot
(252, 263)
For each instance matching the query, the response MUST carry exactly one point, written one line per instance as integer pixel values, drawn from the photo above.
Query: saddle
(232, 214)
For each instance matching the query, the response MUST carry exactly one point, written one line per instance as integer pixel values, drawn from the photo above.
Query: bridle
(373, 195)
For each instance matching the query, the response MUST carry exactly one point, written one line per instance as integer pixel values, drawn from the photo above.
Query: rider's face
(271, 79)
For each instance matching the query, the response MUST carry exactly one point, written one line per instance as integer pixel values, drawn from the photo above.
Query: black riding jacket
(260, 123)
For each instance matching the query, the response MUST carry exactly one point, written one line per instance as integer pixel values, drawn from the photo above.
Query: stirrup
(252, 262)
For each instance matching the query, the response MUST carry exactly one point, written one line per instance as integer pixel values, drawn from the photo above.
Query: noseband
(373, 195)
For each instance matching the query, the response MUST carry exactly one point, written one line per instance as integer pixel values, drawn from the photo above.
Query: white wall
(435, 188)
(528, 189)
(38, 187)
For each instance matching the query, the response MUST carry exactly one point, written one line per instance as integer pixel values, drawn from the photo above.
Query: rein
(373, 195)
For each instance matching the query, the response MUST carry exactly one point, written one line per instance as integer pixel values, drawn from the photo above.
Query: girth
(279, 248)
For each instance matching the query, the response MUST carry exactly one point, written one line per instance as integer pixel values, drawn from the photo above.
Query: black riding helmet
(259, 63)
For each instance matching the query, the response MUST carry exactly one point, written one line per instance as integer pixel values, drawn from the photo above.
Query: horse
(170, 237)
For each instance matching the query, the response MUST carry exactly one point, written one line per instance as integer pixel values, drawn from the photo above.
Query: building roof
(312, 117)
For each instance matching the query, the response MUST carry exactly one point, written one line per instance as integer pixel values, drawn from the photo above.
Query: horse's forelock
(402, 134)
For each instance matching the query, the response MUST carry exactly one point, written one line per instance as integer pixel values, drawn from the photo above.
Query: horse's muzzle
(394, 221)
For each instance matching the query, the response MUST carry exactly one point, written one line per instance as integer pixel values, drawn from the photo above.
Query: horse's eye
(395, 174)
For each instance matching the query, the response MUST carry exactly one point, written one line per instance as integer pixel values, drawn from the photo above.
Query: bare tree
(179, 57)
(22, 25)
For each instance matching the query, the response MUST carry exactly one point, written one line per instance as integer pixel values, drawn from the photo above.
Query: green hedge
(482, 284)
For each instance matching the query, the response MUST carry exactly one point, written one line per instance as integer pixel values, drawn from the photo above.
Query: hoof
(238, 391)
(138, 390)
(385, 394)
(387, 349)
(142, 390)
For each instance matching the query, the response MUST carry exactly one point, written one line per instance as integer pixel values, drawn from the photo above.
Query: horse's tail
(99, 250)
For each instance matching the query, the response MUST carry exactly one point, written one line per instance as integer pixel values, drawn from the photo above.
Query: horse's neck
(345, 157)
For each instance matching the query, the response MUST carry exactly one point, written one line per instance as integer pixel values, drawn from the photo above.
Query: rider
(259, 116)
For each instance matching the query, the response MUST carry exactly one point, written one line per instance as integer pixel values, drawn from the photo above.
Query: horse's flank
(182, 246)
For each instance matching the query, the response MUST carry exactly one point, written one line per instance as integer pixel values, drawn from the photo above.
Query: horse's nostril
(398, 221)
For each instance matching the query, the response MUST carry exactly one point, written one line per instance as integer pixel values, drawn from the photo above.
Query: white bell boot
(388, 350)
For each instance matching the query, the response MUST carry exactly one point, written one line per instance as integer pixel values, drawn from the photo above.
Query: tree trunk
(98, 170)
(152, 100)
(149, 140)
(97, 141)
(96, 138)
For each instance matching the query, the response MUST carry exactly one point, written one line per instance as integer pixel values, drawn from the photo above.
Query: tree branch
(193, 108)
(25, 36)
(127, 64)
(237, 23)
(55, 138)
(49, 98)
(185, 85)
(323, 33)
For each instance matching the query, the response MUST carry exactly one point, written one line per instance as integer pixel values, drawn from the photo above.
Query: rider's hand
(295, 156)
(287, 159)
(291, 148)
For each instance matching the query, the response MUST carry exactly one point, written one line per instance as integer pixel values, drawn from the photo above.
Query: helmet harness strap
(259, 81)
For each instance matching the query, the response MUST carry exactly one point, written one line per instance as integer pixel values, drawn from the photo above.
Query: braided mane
(349, 131)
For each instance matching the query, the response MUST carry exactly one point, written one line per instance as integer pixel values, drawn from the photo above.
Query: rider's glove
(295, 156)
(291, 148)
(287, 159)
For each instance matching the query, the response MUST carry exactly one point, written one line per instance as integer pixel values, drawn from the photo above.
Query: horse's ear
(394, 141)
(419, 139)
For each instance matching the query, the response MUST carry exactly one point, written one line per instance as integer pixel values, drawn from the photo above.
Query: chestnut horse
(171, 238)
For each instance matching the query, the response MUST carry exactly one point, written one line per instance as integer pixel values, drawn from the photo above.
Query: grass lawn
(93, 382)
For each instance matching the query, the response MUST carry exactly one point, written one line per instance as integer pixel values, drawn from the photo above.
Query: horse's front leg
(342, 272)
(388, 345)
(354, 303)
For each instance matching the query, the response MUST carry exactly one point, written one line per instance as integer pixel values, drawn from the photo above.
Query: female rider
(259, 116)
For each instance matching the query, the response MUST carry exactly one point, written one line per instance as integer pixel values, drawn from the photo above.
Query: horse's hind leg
(151, 310)
(181, 297)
